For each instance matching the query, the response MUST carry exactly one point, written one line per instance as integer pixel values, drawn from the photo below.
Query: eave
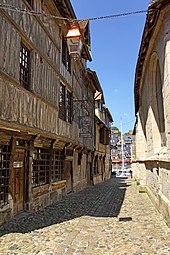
(109, 114)
(96, 83)
(65, 8)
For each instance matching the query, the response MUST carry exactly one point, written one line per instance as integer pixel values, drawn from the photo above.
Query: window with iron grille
(62, 100)
(57, 165)
(4, 174)
(30, 2)
(41, 167)
(65, 104)
(66, 59)
(68, 106)
(24, 66)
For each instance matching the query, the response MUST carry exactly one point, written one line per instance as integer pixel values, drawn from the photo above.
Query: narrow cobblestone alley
(109, 218)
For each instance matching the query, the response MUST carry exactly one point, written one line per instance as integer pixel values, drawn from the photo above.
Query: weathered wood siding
(23, 108)
(9, 49)
(38, 107)
(38, 35)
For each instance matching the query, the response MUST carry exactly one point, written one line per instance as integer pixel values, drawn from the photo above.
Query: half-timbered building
(46, 106)
(101, 167)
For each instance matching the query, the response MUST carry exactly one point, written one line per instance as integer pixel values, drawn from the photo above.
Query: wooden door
(19, 174)
(68, 174)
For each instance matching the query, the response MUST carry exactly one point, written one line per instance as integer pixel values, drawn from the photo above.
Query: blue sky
(114, 47)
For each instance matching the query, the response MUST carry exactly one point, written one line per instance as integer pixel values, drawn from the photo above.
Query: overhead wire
(128, 122)
(125, 123)
(40, 14)
(34, 13)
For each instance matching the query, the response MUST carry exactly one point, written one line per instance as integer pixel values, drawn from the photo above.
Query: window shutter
(102, 135)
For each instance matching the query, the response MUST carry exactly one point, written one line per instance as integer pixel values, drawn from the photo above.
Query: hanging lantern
(74, 41)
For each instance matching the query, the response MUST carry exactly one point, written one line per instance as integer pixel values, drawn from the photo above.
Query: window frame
(79, 157)
(69, 100)
(57, 165)
(66, 58)
(160, 107)
(104, 135)
(24, 66)
(41, 167)
(65, 104)
(5, 154)
(96, 166)
(62, 109)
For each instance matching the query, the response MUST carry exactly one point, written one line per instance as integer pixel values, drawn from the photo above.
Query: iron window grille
(65, 104)
(68, 106)
(41, 167)
(57, 165)
(62, 109)
(24, 67)
(4, 174)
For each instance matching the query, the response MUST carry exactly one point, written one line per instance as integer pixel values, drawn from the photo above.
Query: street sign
(85, 123)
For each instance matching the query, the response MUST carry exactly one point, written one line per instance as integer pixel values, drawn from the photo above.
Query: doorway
(19, 180)
(68, 175)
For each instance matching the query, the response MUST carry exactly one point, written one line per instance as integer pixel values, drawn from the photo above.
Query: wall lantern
(74, 41)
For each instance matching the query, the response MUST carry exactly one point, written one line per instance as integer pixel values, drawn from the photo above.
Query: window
(41, 166)
(65, 104)
(104, 136)
(30, 2)
(62, 109)
(4, 174)
(68, 106)
(155, 132)
(79, 158)
(57, 165)
(159, 98)
(66, 59)
(96, 169)
(24, 66)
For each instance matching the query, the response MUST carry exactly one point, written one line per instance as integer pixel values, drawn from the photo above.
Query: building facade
(47, 108)
(101, 167)
(151, 158)
(117, 148)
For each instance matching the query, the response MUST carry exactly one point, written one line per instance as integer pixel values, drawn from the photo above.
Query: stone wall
(151, 166)
(47, 194)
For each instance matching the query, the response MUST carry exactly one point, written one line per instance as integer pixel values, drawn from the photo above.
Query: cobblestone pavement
(108, 218)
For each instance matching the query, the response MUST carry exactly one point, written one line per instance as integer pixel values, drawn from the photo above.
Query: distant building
(116, 148)
(128, 140)
(102, 153)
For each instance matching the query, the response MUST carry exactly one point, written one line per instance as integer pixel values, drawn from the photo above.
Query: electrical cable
(126, 123)
(15, 9)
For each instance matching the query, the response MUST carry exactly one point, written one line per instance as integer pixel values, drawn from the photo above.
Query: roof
(154, 9)
(109, 114)
(116, 131)
(99, 91)
(65, 8)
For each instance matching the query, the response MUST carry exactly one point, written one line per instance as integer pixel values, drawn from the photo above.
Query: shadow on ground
(102, 200)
